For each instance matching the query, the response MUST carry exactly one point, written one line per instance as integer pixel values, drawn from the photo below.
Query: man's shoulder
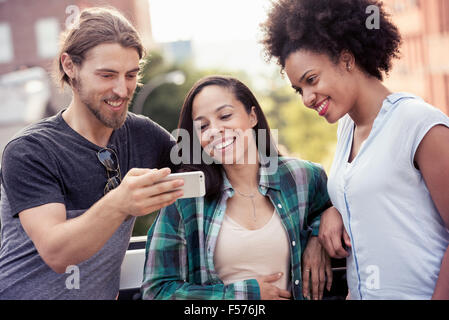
(147, 130)
(36, 134)
(138, 121)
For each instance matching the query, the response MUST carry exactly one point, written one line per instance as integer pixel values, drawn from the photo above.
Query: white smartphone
(194, 183)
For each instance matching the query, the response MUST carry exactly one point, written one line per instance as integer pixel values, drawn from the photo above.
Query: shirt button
(296, 282)
(279, 206)
(293, 243)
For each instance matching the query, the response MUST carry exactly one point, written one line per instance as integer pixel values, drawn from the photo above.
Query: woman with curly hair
(390, 173)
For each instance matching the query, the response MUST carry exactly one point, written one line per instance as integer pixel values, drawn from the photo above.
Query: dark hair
(213, 172)
(330, 27)
(96, 26)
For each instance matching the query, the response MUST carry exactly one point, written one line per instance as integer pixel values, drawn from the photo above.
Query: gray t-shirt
(49, 162)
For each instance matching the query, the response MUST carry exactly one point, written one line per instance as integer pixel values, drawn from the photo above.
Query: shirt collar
(396, 96)
(268, 176)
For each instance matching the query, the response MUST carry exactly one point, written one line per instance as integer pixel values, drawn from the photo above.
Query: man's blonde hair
(96, 26)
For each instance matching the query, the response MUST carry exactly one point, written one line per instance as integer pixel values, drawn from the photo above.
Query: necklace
(251, 196)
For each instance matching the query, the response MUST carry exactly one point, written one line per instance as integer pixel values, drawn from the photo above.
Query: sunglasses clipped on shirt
(109, 160)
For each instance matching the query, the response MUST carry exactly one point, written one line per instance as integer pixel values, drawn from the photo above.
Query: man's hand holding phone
(141, 191)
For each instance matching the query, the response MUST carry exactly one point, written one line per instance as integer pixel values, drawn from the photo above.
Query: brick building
(424, 66)
(29, 30)
(29, 37)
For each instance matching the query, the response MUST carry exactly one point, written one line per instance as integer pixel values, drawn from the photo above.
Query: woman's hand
(269, 291)
(316, 265)
(332, 234)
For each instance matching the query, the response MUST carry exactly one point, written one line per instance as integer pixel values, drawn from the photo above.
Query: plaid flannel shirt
(180, 247)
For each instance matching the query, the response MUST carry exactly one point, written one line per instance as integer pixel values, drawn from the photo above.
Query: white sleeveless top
(242, 254)
(398, 237)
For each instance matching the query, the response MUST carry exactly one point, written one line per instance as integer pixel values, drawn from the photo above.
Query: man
(73, 184)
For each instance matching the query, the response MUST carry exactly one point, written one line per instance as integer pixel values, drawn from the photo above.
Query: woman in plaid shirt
(253, 236)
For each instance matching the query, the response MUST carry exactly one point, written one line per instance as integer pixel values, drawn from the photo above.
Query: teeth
(114, 103)
(321, 107)
(224, 144)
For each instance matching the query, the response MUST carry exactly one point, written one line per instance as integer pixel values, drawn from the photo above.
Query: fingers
(315, 283)
(284, 294)
(314, 279)
(158, 202)
(139, 193)
(322, 281)
(306, 283)
(337, 247)
(146, 177)
(149, 179)
(329, 274)
(135, 172)
(144, 189)
(329, 247)
(269, 291)
(272, 277)
(162, 187)
(332, 232)
(346, 239)
(326, 240)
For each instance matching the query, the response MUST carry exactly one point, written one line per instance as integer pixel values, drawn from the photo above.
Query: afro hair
(330, 27)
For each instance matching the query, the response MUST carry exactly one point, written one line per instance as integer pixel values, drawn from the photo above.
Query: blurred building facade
(424, 66)
(29, 30)
(29, 42)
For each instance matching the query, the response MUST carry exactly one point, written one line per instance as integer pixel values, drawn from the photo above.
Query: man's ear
(68, 65)
(253, 117)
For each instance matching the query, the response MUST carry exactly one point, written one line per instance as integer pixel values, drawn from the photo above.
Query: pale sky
(203, 20)
(224, 33)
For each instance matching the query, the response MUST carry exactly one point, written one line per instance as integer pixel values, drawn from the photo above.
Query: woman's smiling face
(325, 86)
(223, 125)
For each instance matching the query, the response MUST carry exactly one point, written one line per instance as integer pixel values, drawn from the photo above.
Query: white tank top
(243, 254)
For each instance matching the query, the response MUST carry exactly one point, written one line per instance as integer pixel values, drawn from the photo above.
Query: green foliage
(163, 105)
(143, 224)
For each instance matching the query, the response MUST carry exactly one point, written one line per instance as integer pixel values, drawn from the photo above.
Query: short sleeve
(29, 175)
(418, 118)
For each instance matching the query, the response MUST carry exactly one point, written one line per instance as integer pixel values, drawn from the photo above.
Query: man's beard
(95, 109)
